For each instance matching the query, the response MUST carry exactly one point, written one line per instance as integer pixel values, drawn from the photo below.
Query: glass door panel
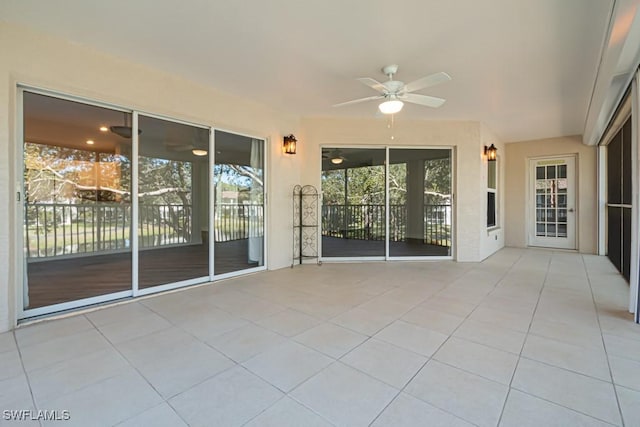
(353, 202)
(553, 214)
(551, 201)
(238, 178)
(419, 202)
(173, 202)
(77, 202)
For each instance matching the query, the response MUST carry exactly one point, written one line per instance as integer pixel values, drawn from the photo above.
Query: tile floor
(525, 338)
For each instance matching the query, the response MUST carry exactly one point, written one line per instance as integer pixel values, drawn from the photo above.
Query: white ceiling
(526, 68)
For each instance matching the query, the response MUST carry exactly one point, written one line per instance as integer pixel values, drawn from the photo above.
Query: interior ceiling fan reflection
(394, 92)
(334, 156)
(200, 152)
(124, 131)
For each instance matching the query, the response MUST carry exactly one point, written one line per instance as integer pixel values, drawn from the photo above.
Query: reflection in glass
(419, 202)
(552, 182)
(238, 177)
(173, 200)
(353, 202)
(77, 204)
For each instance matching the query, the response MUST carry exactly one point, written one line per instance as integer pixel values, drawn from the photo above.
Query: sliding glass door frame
(20, 217)
(387, 256)
(453, 204)
(355, 258)
(263, 267)
(136, 206)
(20, 260)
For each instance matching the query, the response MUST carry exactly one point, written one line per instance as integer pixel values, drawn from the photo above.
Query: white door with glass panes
(552, 212)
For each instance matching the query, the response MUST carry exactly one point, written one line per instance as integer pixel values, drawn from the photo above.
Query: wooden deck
(57, 281)
(338, 247)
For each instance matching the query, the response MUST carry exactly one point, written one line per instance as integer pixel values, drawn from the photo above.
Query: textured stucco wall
(517, 172)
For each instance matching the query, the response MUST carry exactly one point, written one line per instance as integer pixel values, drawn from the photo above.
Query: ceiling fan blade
(427, 101)
(374, 84)
(179, 147)
(356, 101)
(428, 81)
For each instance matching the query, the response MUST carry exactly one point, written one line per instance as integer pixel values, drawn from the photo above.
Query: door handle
(570, 209)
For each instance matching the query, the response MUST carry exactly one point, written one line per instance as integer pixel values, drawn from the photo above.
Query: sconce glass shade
(491, 152)
(289, 144)
(391, 107)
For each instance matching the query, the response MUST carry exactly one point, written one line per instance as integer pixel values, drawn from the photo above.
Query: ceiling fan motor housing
(390, 69)
(393, 86)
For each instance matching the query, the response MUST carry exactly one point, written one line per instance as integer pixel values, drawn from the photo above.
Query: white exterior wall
(492, 240)
(45, 62)
(464, 137)
(7, 296)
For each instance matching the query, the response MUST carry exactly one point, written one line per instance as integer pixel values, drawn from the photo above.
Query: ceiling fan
(334, 156)
(124, 131)
(395, 93)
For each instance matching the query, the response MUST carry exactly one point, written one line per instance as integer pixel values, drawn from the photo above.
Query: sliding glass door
(353, 202)
(419, 202)
(77, 203)
(360, 184)
(173, 202)
(238, 178)
(119, 204)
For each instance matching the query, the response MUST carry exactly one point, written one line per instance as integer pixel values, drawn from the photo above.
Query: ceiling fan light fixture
(199, 152)
(391, 106)
(123, 131)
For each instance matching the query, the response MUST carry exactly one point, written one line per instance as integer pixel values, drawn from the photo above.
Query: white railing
(367, 222)
(56, 229)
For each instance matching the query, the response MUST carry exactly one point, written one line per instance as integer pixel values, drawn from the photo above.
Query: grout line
(595, 306)
(26, 374)
(562, 406)
(515, 369)
(139, 373)
(430, 358)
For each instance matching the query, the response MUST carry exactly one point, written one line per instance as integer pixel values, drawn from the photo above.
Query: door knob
(570, 209)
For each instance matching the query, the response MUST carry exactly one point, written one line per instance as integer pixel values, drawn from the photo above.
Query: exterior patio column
(415, 200)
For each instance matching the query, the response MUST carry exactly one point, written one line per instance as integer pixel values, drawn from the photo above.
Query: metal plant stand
(305, 224)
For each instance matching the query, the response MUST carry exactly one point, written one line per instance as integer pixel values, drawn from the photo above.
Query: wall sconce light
(491, 152)
(289, 144)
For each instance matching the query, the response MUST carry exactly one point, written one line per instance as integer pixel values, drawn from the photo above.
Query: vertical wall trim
(212, 201)
(634, 300)
(135, 140)
(602, 200)
(20, 262)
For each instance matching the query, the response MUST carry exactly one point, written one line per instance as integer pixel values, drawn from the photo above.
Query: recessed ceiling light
(90, 142)
(197, 152)
(103, 128)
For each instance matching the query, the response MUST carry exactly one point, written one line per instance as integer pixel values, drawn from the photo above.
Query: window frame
(495, 191)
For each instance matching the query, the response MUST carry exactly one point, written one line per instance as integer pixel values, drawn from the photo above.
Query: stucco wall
(48, 63)
(492, 240)
(464, 137)
(45, 62)
(517, 169)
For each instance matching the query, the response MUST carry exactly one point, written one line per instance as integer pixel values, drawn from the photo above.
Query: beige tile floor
(525, 338)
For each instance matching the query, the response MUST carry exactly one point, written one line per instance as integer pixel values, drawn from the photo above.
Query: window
(492, 193)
